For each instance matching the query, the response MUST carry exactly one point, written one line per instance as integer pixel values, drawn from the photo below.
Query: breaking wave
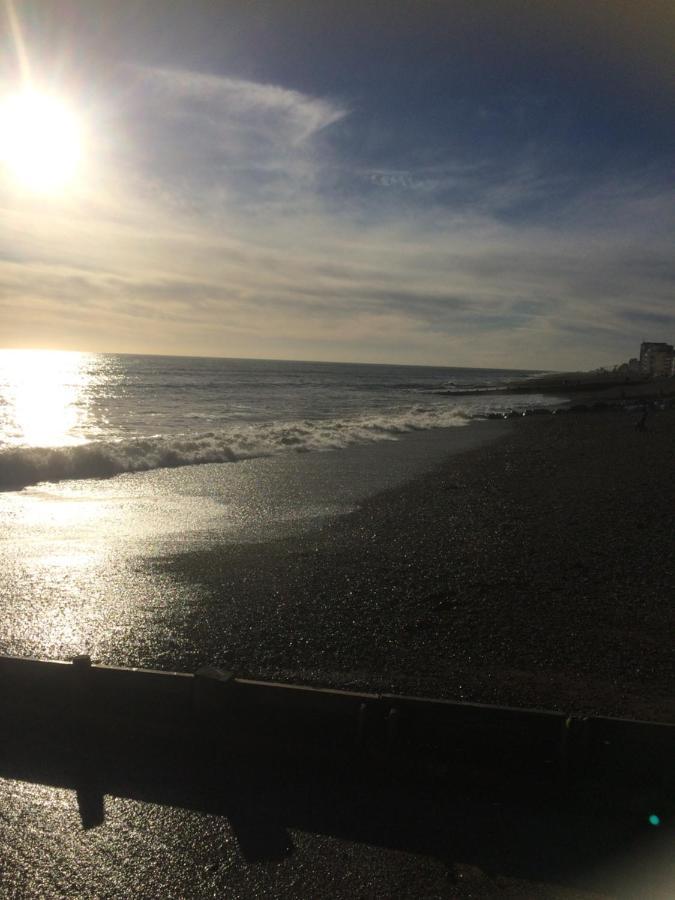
(23, 466)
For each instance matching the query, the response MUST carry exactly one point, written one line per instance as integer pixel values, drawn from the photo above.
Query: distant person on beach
(641, 424)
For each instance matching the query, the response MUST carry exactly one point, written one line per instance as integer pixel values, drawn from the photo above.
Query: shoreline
(30, 467)
(522, 572)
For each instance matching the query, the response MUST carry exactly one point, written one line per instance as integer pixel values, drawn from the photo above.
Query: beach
(534, 571)
(530, 564)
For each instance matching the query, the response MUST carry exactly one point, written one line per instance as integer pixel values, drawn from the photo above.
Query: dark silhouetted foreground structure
(449, 780)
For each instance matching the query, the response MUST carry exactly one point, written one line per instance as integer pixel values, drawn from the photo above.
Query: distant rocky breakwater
(602, 392)
(594, 406)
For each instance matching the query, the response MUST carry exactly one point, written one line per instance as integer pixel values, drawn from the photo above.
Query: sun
(40, 141)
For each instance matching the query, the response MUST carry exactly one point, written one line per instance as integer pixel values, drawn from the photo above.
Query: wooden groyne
(80, 702)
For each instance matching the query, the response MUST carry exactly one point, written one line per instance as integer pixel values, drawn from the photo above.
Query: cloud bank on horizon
(417, 183)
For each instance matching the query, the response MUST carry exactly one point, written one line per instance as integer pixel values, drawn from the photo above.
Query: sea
(108, 462)
(67, 415)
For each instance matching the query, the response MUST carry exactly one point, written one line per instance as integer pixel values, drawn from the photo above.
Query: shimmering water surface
(79, 415)
(107, 461)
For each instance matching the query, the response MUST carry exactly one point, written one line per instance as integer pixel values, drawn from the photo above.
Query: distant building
(656, 359)
(630, 369)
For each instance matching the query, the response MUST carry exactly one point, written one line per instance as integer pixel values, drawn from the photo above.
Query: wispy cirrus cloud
(232, 139)
(265, 111)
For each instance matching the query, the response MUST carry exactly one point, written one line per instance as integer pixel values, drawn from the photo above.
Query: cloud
(265, 110)
(218, 229)
(228, 139)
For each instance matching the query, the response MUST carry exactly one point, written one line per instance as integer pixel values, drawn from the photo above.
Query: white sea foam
(22, 466)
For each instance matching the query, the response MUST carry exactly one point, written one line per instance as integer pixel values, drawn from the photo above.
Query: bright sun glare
(40, 141)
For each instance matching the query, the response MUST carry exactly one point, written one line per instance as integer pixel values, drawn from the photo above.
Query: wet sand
(533, 571)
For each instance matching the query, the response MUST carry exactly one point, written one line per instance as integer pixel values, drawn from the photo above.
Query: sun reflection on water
(46, 397)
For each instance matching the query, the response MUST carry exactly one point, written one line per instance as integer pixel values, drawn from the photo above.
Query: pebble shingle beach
(536, 570)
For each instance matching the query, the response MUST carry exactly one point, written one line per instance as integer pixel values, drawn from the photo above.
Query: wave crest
(23, 466)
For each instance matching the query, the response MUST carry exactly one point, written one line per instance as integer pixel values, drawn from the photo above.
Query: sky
(466, 183)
